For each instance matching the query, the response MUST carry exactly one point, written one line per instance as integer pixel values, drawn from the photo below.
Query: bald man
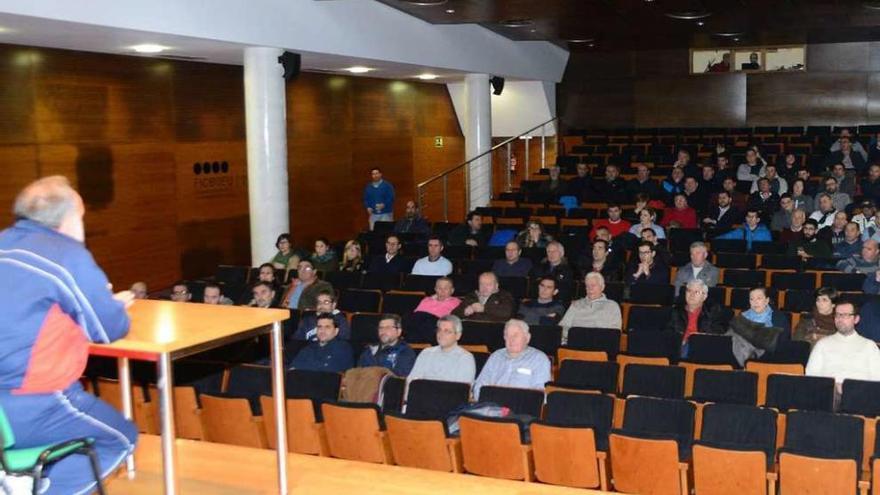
(56, 301)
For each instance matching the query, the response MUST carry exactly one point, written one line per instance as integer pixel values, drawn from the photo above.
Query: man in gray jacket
(593, 311)
(698, 268)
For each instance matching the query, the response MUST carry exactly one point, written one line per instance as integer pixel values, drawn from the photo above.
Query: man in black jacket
(722, 216)
(697, 314)
(392, 261)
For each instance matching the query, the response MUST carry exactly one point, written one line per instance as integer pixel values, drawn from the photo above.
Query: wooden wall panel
(428, 161)
(810, 98)
(691, 101)
(129, 132)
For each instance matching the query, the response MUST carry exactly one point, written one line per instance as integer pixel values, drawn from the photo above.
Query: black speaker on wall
(497, 85)
(291, 62)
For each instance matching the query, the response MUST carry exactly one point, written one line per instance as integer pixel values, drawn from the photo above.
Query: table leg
(166, 411)
(127, 407)
(279, 403)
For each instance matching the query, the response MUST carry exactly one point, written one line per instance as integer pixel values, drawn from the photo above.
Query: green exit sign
(438, 141)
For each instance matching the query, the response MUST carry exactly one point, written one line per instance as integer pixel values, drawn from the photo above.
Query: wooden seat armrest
(864, 486)
(683, 478)
(683, 467)
(772, 477)
(601, 455)
(453, 441)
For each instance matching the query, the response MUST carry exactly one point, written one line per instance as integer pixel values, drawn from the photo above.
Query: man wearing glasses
(304, 289)
(391, 261)
(845, 354)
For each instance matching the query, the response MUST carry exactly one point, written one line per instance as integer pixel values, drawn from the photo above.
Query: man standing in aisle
(379, 198)
(56, 301)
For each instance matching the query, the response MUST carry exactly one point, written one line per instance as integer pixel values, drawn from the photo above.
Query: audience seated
(867, 261)
(139, 290)
(533, 236)
(517, 364)
(593, 311)
(352, 257)
(834, 233)
(778, 185)
(446, 361)
(851, 244)
(809, 246)
(825, 210)
(865, 218)
(787, 166)
(434, 264)
(781, 220)
(662, 252)
(180, 292)
(470, 233)
(391, 261)
(546, 309)
(601, 261)
(698, 268)
(795, 232)
(647, 217)
(643, 184)
(819, 322)
(324, 259)
(555, 265)
(613, 223)
(611, 189)
(764, 200)
(839, 199)
(760, 329)
(412, 222)
(554, 184)
(846, 154)
(697, 314)
(286, 257)
(800, 200)
(710, 183)
(845, 354)
(581, 185)
(696, 197)
(214, 295)
(869, 316)
(326, 305)
(513, 264)
(723, 215)
(751, 231)
(680, 215)
(870, 185)
(391, 352)
(263, 295)
(753, 168)
(442, 303)
(647, 268)
(327, 352)
(487, 303)
(846, 183)
(302, 294)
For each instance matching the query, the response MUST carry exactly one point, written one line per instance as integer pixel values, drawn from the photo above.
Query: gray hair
(699, 245)
(823, 195)
(557, 244)
(46, 201)
(456, 322)
(522, 325)
(595, 275)
(698, 284)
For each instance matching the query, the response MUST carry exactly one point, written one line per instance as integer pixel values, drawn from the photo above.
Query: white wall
(521, 106)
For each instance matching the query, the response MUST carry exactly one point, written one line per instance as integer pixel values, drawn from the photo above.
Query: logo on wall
(216, 178)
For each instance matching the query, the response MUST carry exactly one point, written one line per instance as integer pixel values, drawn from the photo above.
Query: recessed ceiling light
(149, 48)
(425, 3)
(358, 69)
(516, 23)
(736, 39)
(582, 40)
(700, 23)
(427, 76)
(450, 11)
(729, 34)
(688, 15)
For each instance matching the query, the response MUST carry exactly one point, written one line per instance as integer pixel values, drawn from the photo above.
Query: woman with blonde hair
(352, 257)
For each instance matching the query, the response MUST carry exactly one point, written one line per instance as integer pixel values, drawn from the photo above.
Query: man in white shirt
(845, 354)
(824, 214)
(446, 361)
(435, 264)
(593, 311)
(516, 365)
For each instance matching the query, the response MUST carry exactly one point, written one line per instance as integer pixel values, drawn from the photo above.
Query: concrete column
(265, 111)
(478, 137)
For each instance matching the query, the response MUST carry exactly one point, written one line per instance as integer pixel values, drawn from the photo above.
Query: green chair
(32, 460)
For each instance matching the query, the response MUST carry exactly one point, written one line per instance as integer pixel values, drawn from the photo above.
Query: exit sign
(438, 141)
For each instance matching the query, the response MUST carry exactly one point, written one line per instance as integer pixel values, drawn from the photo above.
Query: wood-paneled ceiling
(644, 24)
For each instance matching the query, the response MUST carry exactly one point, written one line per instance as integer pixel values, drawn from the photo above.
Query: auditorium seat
(401, 302)
(665, 382)
(519, 400)
(360, 300)
(810, 393)
(652, 294)
(744, 278)
(726, 387)
(570, 445)
(822, 453)
(364, 328)
(494, 447)
(356, 432)
(713, 349)
(606, 340)
(650, 453)
(381, 281)
(567, 353)
(736, 451)
(843, 281)
(341, 280)
(625, 360)
(587, 375)
(691, 368)
(763, 370)
(422, 283)
(305, 391)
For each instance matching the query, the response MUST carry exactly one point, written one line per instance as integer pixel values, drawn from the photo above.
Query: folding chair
(860, 397)
(545, 338)
(517, 286)
(736, 451)
(344, 280)
(648, 318)
(743, 261)
(764, 370)
(306, 391)
(570, 446)
(626, 359)
(486, 333)
(494, 447)
(744, 278)
(519, 400)
(663, 295)
(32, 461)
(356, 431)
(434, 399)
(364, 328)
(706, 348)
(381, 281)
(727, 387)
(843, 281)
(650, 453)
(360, 300)
(666, 382)
(401, 303)
(810, 393)
(606, 340)
(822, 454)
(780, 262)
(654, 344)
(587, 375)
(235, 415)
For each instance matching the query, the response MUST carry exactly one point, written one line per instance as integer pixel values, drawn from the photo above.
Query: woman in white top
(646, 221)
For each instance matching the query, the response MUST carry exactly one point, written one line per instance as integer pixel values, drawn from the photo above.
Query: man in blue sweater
(327, 353)
(391, 352)
(751, 231)
(379, 198)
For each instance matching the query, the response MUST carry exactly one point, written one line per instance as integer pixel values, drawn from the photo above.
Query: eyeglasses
(180, 292)
(306, 269)
(844, 315)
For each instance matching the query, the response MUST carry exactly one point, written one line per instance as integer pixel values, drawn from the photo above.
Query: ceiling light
(516, 23)
(688, 15)
(450, 11)
(729, 34)
(871, 5)
(359, 69)
(582, 40)
(427, 76)
(700, 23)
(149, 48)
(425, 3)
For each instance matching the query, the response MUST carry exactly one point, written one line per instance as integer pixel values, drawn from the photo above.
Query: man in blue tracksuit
(379, 198)
(56, 300)
(327, 353)
(392, 352)
(751, 231)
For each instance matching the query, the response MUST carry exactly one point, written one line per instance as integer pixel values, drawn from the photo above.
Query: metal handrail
(445, 174)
